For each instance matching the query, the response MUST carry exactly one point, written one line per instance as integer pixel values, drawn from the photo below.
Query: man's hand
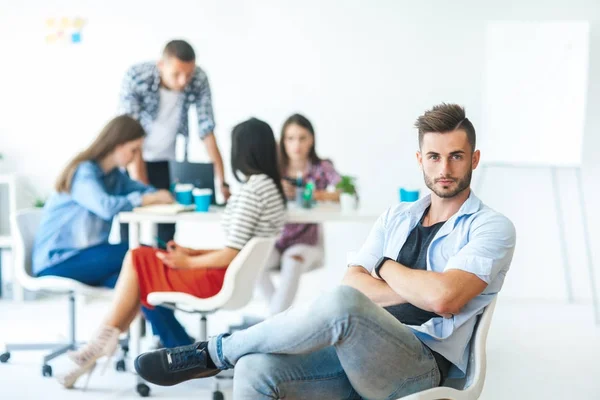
(375, 289)
(175, 258)
(225, 191)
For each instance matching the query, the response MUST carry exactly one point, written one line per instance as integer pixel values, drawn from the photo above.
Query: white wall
(362, 71)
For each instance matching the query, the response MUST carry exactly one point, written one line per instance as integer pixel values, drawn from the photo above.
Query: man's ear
(419, 159)
(475, 159)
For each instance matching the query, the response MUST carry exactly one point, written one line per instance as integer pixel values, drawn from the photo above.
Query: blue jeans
(100, 266)
(342, 346)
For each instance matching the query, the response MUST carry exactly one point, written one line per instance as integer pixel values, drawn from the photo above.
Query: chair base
(58, 349)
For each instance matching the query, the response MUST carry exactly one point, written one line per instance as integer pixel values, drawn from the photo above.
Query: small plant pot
(348, 202)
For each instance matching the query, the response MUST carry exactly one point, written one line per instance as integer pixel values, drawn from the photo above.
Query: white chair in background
(238, 287)
(471, 386)
(24, 225)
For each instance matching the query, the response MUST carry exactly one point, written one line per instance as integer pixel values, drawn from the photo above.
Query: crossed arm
(443, 293)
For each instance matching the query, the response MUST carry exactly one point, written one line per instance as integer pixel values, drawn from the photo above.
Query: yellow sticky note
(78, 23)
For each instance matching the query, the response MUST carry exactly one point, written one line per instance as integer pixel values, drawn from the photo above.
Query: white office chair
(238, 287)
(471, 386)
(24, 226)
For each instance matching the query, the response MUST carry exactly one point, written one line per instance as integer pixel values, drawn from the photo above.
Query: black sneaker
(167, 367)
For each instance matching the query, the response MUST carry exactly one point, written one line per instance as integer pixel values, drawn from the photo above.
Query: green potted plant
(39, 202)
(348, 196)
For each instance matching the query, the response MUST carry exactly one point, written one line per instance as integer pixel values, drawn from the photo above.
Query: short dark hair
(445, 118)
(254, 151)
(179, 49)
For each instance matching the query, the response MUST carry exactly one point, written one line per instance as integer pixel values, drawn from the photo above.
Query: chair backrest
(242, 273)
(476, 369)
(24, 226)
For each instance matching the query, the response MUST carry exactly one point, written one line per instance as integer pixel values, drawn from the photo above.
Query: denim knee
(344, 300)
(254, 374)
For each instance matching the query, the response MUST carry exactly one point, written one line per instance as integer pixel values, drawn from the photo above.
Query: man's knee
(345, 300)
(254, 373)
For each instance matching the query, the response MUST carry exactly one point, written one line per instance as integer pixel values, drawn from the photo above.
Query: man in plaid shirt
(159, 96)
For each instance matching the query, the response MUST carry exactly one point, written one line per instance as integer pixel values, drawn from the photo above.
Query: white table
(321, 213)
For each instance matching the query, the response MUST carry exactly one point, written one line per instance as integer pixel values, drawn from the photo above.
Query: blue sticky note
(76, 37)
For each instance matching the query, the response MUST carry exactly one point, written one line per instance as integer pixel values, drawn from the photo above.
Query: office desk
(322, 213)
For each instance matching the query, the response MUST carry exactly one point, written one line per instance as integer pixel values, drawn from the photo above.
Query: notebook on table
(165, 209)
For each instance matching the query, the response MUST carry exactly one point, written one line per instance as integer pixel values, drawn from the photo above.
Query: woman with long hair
(257, 210)
(297, 249)
(72, 240)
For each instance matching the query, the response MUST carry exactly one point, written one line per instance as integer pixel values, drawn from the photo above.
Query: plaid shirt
(140, 96)
(323, 174)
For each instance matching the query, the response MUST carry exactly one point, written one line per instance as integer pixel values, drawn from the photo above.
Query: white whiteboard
(534, 95)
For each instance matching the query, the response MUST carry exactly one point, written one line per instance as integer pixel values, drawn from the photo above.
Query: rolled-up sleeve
(206, 119)
(129, 100)
(372, 250)
(489, 250)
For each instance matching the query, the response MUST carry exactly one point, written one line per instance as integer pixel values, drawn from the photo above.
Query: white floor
(535, 351)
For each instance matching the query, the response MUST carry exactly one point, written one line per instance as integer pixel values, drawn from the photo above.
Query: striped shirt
(256, 211)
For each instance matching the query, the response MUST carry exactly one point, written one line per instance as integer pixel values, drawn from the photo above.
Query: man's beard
(461, 184)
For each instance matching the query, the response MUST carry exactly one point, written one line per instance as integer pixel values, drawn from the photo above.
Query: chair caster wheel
(143, 390)
(218, 395)
(47, 370)
(120, 366)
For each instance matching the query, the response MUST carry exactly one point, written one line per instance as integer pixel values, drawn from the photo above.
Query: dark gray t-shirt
(413, 254)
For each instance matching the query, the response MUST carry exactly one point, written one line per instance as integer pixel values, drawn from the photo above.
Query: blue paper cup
(202, 199)
(409, 195)
(183, 193)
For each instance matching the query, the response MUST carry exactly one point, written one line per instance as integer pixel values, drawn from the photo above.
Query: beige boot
(103, 344)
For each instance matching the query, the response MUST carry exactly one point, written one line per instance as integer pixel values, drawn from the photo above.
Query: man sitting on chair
(402, 320)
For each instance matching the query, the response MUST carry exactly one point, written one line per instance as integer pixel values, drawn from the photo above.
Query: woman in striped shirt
(257, 210)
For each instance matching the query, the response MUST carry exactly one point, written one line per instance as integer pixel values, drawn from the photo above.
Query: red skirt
(155, 276)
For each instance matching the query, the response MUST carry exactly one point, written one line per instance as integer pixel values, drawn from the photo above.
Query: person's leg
(94, 266)
(124, 308)
(295, 260)
(381, 356)
(265, 284)
(159, 177)
(126, 300)
(317, 375)
(167, 327)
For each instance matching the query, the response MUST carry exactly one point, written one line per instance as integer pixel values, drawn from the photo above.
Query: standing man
(159, 96)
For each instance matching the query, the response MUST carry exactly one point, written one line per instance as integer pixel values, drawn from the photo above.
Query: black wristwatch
(225, 184)
(379, 264)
